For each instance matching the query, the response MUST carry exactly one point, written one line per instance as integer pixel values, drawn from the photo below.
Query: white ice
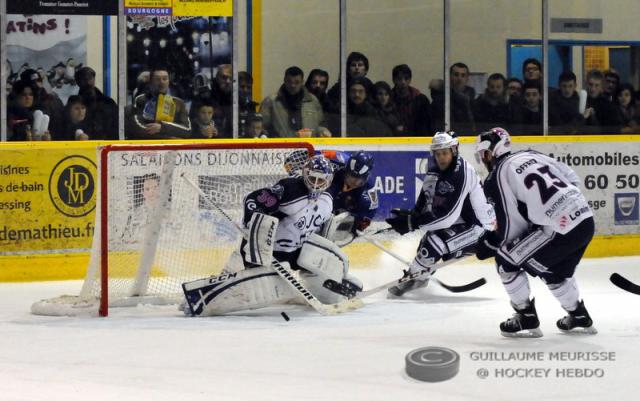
(155, 353)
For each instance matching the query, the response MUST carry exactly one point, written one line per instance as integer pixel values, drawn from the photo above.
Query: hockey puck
(432, 364)
(284, 316)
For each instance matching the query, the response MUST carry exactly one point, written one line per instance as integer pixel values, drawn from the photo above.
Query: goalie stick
(624, 284)
(283, 271)
(452, 288)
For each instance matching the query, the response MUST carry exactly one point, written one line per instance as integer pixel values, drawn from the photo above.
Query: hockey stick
(452, 288)
(283, 271)
(413, 276)
(624, 284)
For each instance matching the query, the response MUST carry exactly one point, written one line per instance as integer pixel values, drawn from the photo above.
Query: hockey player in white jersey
(451, 208)
(544, 226)
(281, 222)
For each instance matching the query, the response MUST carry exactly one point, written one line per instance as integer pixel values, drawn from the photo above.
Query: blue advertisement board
(398, 177)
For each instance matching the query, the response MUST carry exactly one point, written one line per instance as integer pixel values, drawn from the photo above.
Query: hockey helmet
(444, 140)
(496, 141)
(358, 169)
(317, 174)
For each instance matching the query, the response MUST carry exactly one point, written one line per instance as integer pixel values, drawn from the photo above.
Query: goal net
(153, 229)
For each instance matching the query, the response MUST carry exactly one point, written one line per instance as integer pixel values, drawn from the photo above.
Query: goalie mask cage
(154, 231)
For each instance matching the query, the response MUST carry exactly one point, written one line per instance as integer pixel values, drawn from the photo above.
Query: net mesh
(161, 232)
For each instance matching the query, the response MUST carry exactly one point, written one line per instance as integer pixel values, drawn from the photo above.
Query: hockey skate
(402, 288)
(524, 323)
(577, 321)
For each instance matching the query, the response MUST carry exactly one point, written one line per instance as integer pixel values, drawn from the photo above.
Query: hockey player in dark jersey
(281, 223)
(544, 225)
(451, 208)
(355, 201)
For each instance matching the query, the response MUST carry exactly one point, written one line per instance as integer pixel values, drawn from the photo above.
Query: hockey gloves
(403, 221)
(488, 245)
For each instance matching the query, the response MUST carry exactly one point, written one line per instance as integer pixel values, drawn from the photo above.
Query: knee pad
(430, 250)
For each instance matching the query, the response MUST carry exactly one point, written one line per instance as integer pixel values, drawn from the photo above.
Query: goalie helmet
(444, 140)
(317, 174)
(294, 162)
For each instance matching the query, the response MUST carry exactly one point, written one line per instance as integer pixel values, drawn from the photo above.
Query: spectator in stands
(357, 67)
(77, 124)
(101, 109)
(530, 115)
(247, 105)
(612, 80)
(413, 107)
(49, 103)
(155, 114)
(203, 125)
(387, 111)
(20, 119)
(221, 93)
(564, 106)
(532, 71)
(491, 108)
(293, 111)
(255, 127)
(514, 88)
(362, 117)
(317, 84)
(603, 118)
(462, 96)
(626, 106)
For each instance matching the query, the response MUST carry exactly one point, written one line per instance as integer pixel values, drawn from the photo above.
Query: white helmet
(317, 174)
(444, 140)
(496, 140)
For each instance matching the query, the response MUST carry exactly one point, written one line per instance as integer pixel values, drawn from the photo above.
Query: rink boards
(41, 239)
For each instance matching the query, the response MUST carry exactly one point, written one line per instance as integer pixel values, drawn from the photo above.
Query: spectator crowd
(309, 106)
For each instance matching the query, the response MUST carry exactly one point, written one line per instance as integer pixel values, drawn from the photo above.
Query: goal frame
(103, 308)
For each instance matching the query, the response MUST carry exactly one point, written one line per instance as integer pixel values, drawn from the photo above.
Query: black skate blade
(580, 331)
(527, 333)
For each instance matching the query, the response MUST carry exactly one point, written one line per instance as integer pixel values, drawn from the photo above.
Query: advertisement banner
(64, 7)
(53, 45)
(47, 195)
(180, 8)
(47, 199)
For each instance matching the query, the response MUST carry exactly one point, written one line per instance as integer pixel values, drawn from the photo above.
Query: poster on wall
(53, 45)
(180, 8)
(192, 48)
(52, 7)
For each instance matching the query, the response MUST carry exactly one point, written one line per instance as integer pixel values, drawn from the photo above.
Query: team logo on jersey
(72, 186)
(563, 221)
(626, 209)
(445, 187)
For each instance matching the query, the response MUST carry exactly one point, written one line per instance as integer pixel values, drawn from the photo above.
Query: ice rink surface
(155, 353)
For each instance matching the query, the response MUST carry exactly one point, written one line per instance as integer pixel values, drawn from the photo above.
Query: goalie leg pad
(322, 260)
(234, 263)
(258, 249)
(320, 256)
(243, 290)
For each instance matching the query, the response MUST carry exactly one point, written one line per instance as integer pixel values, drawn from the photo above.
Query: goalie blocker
(322, 266)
